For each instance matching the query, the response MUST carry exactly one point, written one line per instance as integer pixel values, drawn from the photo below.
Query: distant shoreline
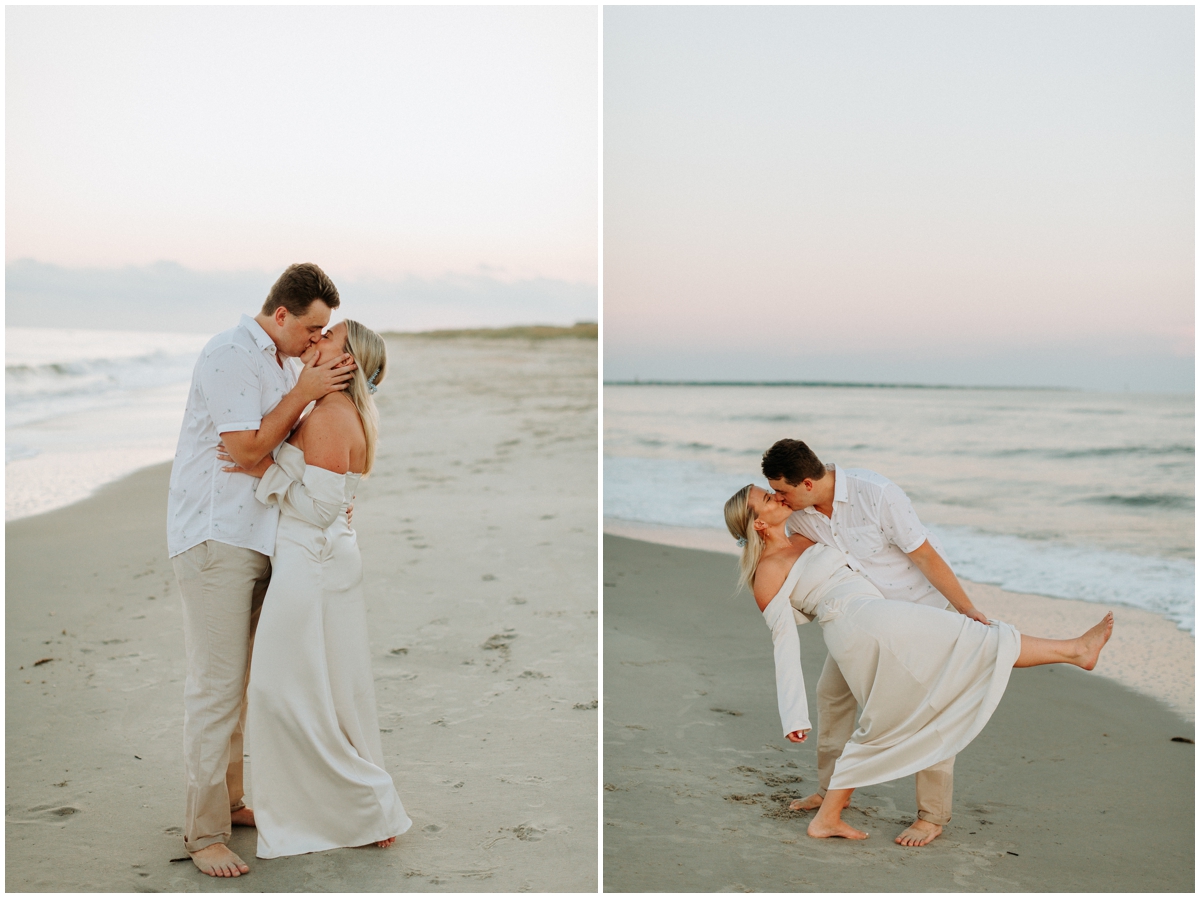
(821, 383)
(581, 330)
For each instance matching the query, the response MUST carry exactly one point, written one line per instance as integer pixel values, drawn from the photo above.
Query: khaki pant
(223, 588)
(836, 707)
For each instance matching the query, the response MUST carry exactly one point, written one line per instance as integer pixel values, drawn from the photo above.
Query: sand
(1147, 652)
(1074, 785)
(478, 532)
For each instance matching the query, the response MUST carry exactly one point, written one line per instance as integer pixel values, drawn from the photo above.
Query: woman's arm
(316, 499)
(789, 676)
(316, 496)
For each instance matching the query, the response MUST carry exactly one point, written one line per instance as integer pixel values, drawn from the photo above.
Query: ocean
(1059, 493)
(86, 407)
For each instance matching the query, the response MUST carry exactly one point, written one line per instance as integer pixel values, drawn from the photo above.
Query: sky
(415, 153)
(960, 195)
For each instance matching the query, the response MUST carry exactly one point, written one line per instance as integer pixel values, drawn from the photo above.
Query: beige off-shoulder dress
(312, 729)
(927, 680)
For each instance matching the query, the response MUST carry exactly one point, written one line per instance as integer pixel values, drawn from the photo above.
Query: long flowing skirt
(317, 776)
(927, 681)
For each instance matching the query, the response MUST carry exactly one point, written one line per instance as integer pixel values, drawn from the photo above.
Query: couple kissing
(844, 546)
(275, 630)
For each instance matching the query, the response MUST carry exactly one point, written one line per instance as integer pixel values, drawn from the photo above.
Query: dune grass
(581, 330)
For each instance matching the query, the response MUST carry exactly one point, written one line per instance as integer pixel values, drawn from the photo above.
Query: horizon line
(637, 382)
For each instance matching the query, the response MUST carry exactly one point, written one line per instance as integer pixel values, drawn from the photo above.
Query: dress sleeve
(316, 499)
(789, 677)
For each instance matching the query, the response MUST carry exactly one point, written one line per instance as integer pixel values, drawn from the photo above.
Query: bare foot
(242, 817)
(386, 842)
(218, 860)
(811, 803)
(922, 832)
(819, 829)
(1091, 642)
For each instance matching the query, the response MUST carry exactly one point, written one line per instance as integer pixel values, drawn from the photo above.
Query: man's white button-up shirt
(236, 381)
(874, 524)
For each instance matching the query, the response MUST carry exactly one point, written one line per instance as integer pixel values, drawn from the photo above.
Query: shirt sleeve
(898, 520)
(796, 524)
(317, 499)
(232, 388)
(789, 677)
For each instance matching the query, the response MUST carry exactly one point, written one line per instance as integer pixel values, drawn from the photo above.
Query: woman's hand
(257, 471)
(797, 736)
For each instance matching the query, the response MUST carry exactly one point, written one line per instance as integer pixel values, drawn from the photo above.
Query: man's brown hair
(299, 287)
(793, 461)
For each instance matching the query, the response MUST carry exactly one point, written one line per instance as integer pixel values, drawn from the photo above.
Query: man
(873, 522)
(248, 392)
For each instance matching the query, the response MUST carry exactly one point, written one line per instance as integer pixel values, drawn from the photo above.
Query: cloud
(166, 296)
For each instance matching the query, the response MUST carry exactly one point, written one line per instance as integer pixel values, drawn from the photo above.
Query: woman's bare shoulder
(335, 412)
(769, 577)
(332, 431)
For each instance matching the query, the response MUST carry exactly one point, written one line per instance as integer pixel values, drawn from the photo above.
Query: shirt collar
(261, 337)
(840, 493)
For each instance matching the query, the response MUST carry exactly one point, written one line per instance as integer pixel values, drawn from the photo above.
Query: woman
(927, 679)
(312, 726)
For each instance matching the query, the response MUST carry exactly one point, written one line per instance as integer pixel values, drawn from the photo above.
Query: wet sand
(697, 774)
(478, 535)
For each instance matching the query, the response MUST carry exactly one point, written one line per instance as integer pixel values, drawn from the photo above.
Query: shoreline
(80, 452)
(70, 471)
(1147, 652)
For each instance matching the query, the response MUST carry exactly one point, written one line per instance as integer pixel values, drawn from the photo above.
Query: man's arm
(937, 572)
(248, 447)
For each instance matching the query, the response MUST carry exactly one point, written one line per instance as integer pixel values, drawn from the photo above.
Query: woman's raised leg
(1083, 651)
(828, 820)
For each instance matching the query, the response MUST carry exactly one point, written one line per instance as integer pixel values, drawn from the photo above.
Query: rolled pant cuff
(201, 844)
(931, 818)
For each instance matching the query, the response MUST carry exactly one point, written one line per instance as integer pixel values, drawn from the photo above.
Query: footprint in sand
(42, 813)
(527, 832)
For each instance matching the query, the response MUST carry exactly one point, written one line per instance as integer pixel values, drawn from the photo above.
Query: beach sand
(1147, 652)
(478, 535)
(1074, 785)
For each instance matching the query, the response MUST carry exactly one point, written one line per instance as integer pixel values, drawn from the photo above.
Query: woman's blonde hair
(370, 354)
(739, 518)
